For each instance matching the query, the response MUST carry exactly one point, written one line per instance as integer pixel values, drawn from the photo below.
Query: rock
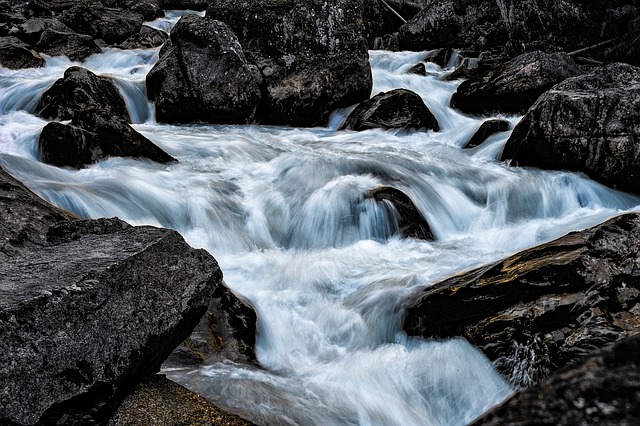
(25, 217)
(15, 54)
(589, 124)
(475, 25)
(149, 9)
(147, 38)
(395, 109)
(111, 25)
(539, 310)
(227, 332)
(486, 129)
(203, 76)
(32, 29)
(627, 47)
(184, 4)
(514, 86)
(312, 53)
(601, 389)
(411, 222)
(88, 315)
(76, 47)
(379, 20)
(418, 69)
(80, 90)
(440, 57)
(158, 401)
(94, 135)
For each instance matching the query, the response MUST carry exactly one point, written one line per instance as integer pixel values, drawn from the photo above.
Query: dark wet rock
(486, 129)
(418, 69)
(14, 54)
(76, 47)
(589, 124)
(412, 223)
(312, 53)
(92, 136)
(440, 57)
(601, 389)
(86, 316)
(184, 4)
(227, 332)
(539, 310)
(451, 23)
(468, 68)
(32, 29)
(80, 90)
(158, 401)
(514, 86)
(149, 9)
(25, 217)
(109, 24)
(386, 42)
(147, 38)
(203, 76)
(626, 48)
(395, 109)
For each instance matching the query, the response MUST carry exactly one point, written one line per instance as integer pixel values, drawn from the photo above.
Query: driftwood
(392, 10)
(591, 48)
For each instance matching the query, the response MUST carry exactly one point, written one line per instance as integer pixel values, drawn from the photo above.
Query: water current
(284, 213)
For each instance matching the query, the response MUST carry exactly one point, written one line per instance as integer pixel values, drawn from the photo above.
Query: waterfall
(283, 210)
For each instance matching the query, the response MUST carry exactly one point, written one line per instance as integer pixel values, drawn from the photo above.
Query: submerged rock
(81, 90)
(486, 129)
(312, 53)
(539, 310)
(14, 54)
(589, 124)
(89, 314)
(395, 109)
(412, 223)
(600, 389)
(76, 47)
(203, 76)
(514, 86)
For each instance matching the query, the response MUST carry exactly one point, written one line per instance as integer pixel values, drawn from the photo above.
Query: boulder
(203, 76)
(418, 69)
(184, 4)
(76, 47)
(412, 223)
(312, 53)
(33, 28)
(94, 135)
(14, 54)
(149, 9)
(440, 57)
(395, 109)
(86, 316)
(109, 24)
(147, 38)
(601, 389)
(469, 24)
(25, 217)
(80, 90)
(539, 310)
(158, 401)
(486, 129)
(515, 85)
(589, 124)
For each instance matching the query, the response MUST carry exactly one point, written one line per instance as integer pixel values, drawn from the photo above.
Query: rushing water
(282, 210)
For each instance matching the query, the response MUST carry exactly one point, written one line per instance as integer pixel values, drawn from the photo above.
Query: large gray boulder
(312, 53)
(515, 85)
(539, 310)
(589, 124)
(203, 76)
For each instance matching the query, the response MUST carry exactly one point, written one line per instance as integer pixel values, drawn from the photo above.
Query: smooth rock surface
(589, 124)
(539, 310)
(514, 86)
(487, 129)
(412, 223)
(395, 109)
(203, 76)
(92, 312)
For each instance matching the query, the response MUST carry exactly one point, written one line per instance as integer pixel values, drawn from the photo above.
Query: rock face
(76, 47)
(80, 90)
(15, 54)
(92, 136)
(486, 129)
(312, 54)
(411, 222)
(203, 76)
(600, 389)
(589, 124)
(159, 402)
(543, 308)
(396, 109)
(514, 86)
(100, 306)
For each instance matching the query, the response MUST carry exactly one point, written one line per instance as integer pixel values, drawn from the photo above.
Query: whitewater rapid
(284, 213)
